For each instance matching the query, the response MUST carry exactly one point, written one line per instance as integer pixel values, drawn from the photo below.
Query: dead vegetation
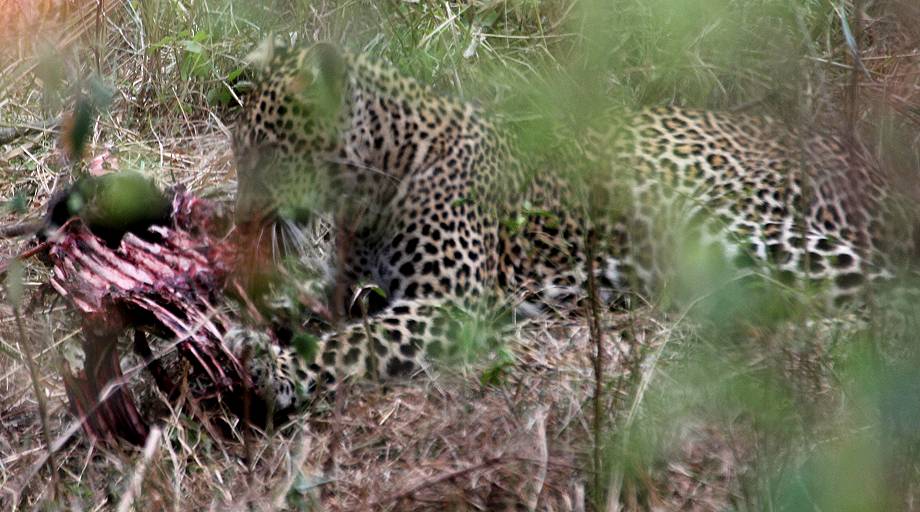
(697, 419)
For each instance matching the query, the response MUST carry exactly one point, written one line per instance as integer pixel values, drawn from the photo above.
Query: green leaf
(489, 19)
(119, 201)
(162, 43)
(192, 46)
(306, 346)
(496, 374)
(219, 95)
(461, 201)
(233, 75)
(18, 204)
(516, 223)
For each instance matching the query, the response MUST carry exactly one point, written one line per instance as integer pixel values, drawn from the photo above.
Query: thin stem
(39, 396)
(597, 338)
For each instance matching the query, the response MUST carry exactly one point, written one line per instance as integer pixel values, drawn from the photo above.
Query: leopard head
(289, 130)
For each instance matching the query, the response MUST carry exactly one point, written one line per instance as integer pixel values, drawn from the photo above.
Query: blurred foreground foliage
(826, 412)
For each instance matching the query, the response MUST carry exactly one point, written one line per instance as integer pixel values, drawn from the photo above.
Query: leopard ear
(264, 53)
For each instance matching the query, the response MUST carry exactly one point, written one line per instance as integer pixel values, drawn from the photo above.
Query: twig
(9, 134)
(299, 457)
(98, 41)
(26, 348)
(20, 228)
(150, 448)
(541, 451)
(247, 432)
(852, 40)
(646, 375)
(427, 483)
(597, 337)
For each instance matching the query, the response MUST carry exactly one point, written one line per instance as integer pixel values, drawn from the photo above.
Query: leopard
(442, 207)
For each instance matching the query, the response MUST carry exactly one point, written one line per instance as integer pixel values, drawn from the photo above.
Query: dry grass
(445, 442)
